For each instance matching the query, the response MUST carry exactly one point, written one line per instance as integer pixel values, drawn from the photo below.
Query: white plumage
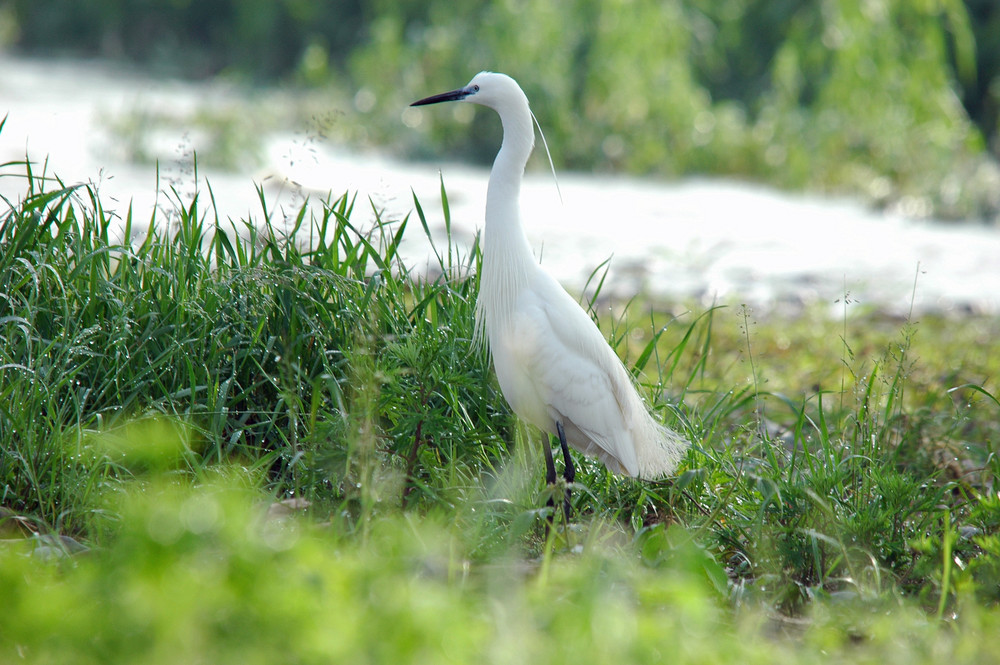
(553, 364)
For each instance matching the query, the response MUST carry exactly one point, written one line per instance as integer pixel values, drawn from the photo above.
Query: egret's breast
(515, 350)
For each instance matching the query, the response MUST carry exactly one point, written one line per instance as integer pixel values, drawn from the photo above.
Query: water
(712, 240)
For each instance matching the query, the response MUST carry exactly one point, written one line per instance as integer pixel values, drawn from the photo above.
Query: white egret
(554, 366)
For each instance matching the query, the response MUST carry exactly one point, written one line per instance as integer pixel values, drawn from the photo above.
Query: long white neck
(507, 256)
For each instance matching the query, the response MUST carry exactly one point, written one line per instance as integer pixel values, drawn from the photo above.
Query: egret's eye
(475, 87)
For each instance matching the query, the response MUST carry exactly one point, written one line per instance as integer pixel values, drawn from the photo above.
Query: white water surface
(710, 240)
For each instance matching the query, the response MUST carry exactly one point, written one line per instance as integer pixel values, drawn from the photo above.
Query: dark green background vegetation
(892, 99)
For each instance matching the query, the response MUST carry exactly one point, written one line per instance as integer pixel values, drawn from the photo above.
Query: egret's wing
(577, 374)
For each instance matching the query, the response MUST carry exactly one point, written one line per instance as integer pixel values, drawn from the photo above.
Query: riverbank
(704, 240)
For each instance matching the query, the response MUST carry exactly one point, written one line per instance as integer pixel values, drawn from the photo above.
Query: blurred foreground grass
(270, 441)
(201, 573)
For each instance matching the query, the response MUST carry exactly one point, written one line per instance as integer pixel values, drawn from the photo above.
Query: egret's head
(487, 88)
(502, 94)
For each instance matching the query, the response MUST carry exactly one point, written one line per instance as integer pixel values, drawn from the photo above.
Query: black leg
(569, 471)
(550, 475)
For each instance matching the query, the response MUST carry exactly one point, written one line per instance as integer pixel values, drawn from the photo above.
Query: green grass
(161, 401)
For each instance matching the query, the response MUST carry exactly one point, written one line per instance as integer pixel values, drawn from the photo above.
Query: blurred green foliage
(203, 573)
(857, 96)
(893, 99)
(259, 39)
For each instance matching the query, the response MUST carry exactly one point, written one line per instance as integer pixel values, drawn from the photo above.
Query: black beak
(453, 96)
